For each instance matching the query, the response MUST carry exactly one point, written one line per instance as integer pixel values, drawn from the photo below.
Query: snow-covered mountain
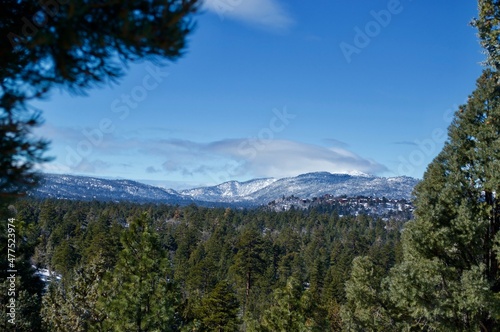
(229, 191)
(306, 186)
(88, 188)
(253, 192)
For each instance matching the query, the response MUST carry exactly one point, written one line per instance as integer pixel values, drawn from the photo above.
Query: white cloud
(214, 162)
(282, 158)
(264, 13)
(231, 159)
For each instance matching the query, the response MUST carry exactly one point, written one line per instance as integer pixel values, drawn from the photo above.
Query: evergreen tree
(64, 257)
(73, 305)
(102, 236)
(219, 310)
(487, 24)
(287, 312)
(366, 307)
(139, 294)
(21, 151)
(449, 277)
(54, 311)
(201, 275)
(333, 316)
(49, 218)
(249, 261)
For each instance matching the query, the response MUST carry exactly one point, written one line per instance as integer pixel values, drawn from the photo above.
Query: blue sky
(269, 88)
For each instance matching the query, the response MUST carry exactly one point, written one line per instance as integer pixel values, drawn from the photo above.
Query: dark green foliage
(290, 310)
(457, 220)
(287, 311)
(449, 277)
(367, 306)
(177, 265)
(219, 310)
(249, 261)
(139, 293)
(73, 305)
(20, 151)
(77, 49)
(487, 25)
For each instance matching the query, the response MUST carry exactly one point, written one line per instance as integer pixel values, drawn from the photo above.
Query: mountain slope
(317, 184)
(249, 193)
(228, 191)
(87, 188)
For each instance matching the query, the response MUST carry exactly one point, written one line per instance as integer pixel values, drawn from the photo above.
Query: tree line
(130, 267)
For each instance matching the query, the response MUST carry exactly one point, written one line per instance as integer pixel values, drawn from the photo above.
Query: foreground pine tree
(449, 278)
(139, 294)
(219, 310)
(450, 274)
(367, 305)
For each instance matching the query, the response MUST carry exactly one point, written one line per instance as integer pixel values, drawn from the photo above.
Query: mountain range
(250, 193)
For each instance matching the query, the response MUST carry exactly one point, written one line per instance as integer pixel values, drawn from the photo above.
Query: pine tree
(287, 312)
(139, 294)
(102, 236)
(21, 151)
(449, 277)
(487, 24)
(367, 306)
(249, 261)
(219, 310)
(54, 311)
(73, 305)
(49, 218)
(201, 275)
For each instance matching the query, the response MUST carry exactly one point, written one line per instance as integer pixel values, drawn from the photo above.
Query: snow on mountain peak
(253, 192)
(359, 173)
(228, 190)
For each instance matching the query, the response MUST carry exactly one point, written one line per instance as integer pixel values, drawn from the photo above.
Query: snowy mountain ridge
(231, 190)
(88, 188)
(249, 193)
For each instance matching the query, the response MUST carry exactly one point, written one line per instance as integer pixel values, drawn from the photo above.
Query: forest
(130, 267)
(118, 266)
